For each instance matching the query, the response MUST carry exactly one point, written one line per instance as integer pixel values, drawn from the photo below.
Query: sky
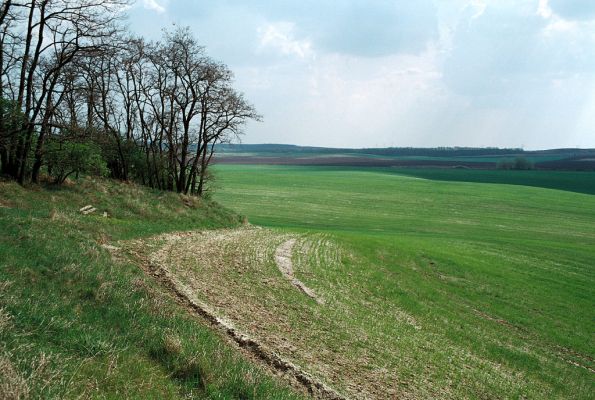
(420, 73)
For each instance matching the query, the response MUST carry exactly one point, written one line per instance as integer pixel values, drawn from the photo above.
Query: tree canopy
(74, 80)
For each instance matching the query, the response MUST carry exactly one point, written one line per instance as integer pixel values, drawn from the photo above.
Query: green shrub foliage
(519, 163)
(68, 158)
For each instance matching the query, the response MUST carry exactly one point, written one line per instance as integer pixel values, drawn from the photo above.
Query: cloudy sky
(372, 73)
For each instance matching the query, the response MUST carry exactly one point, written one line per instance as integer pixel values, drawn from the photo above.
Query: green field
(580, 182)
(422, 284)
(434, 288)
(77, 323)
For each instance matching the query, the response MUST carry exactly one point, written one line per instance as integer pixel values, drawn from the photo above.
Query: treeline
(79, 94)
(518, 163)
(385, 151)
(442, 151)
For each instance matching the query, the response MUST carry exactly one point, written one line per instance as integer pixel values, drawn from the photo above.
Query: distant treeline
(80, 94)
(402, 151)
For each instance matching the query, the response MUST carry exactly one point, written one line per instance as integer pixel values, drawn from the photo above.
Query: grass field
(432, 288)
(424, 284)
(580, 182)
(75, 323)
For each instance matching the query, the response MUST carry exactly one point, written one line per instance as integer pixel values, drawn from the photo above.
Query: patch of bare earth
(283, 259)
(223, 307)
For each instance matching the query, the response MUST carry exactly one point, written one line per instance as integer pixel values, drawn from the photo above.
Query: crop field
(580, 182)
(553, 160)
(424, 288)
(318, 155)
(357, 283)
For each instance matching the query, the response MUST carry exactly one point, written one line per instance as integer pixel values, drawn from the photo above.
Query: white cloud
(153, 5)
(559, 25)
(479, 72)
(556, 24)
(479, 7)
(280, 36)
(544, 10)
(343, 100)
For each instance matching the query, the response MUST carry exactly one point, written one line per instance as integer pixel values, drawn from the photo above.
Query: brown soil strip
(581, 360)
(576, 364)
(353, 161)
(295, 374)
(283, 260)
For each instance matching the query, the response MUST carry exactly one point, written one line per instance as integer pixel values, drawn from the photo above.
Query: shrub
(519, 163)
(68, 157)
(505, 164)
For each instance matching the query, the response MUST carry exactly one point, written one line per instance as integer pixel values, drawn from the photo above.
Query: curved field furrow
(350, 341)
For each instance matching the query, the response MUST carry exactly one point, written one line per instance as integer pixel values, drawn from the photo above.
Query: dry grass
(13, 385)
(5, 320)
(16, 385)
(172, 343)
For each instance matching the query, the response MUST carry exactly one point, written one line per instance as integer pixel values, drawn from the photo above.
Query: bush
(519, 163)
(68, 157)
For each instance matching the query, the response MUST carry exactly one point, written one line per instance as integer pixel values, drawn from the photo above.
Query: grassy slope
(74, 323)
(503, 271)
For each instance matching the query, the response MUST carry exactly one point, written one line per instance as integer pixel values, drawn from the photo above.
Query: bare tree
(225, 121)
(68, 73)
(55, 33)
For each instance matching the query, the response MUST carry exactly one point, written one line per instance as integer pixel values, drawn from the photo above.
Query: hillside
(438, 157)
(77, 323)
(368, 282)
(419, 286)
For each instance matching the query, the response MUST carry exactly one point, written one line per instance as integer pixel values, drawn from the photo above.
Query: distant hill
(439, 157)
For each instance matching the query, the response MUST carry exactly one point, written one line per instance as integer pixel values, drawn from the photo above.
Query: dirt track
(156, 263)
(234, 280)
(283, 260)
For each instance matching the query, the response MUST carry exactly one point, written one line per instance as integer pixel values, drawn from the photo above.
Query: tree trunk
(39, 152)
(203, 171)
(3, 159)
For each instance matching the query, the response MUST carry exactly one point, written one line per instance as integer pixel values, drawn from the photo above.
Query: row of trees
(81, 95)
(519, 163)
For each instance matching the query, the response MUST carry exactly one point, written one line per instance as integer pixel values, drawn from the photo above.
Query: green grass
(580, 182)
(500, 277)
(436, 282)
(75, 323)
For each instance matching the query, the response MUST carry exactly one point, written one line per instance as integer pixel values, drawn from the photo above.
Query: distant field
(433, 286)
(559, 159)
(573, 181)
(319, 155)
